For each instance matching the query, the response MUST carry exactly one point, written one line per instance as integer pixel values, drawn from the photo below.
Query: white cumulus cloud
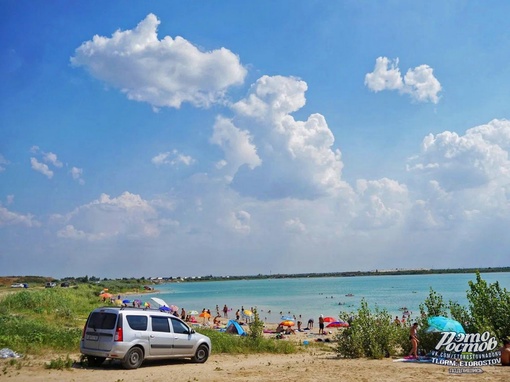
(382, 203)
(163, 72)
(466, 161)
(41, 167)
(172, 158)
(236, 144)
(276, 95)
(77, 174)
(127, 216)
(297, 157)
(52, 158)
(9, 218)
(420, 82)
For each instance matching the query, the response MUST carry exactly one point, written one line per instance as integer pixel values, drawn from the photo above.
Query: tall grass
(58, 304)
(233, 344)
(34, 320)
(28, 335)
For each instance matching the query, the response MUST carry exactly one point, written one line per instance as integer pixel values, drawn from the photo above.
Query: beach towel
(413, 359)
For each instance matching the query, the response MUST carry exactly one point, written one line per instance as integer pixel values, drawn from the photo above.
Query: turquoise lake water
(310, 297)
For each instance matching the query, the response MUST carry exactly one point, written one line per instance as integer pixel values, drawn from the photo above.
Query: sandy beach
(311, 365)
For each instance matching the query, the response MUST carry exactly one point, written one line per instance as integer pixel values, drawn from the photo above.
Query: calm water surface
(310, 297)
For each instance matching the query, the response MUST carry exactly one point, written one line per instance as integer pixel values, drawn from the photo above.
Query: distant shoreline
(386, 272)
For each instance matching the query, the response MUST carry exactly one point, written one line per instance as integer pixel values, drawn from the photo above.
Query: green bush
(489, 306)
(370, 334)
(256, 326)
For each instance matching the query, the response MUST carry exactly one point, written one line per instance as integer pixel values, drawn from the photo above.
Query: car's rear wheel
(133, 358)
(201, 354)
(95, 361)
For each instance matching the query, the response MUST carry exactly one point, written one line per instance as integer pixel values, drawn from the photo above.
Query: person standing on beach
(413, 337)
(225, 311)
(310, 323)
(505, 353)
(321, 324)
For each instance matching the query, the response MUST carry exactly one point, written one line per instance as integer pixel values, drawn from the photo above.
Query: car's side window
(179, 327)
(137, 322)
(160, 324)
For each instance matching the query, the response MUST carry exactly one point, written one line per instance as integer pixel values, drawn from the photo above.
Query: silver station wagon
(133, 335)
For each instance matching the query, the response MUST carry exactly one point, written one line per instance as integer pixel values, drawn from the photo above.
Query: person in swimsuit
(321, 324)
(505, 353)
(413, 337)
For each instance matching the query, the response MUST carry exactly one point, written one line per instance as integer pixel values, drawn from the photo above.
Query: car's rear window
(102, 320)
(137, 322)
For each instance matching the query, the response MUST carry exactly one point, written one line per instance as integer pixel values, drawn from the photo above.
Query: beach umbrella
(164, 308)
(174, 308)
(330, 319)
(204, 315)
(159, 301)
(287, 323)
(444, 324)
(126, 301)
(105, 295)
(338, 324)
(248, 312)
(191, 313)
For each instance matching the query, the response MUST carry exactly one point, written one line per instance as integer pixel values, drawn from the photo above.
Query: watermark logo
(466, 353)
(465, 370)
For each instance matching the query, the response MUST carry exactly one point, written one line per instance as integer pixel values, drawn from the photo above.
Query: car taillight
(85, 328)
(119, 336)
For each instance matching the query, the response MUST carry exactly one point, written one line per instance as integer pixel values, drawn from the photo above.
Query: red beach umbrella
(338, 324)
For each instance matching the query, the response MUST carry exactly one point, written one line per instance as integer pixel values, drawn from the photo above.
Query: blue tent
(233, 327)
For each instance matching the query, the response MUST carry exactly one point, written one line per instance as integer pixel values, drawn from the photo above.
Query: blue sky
(181, 138)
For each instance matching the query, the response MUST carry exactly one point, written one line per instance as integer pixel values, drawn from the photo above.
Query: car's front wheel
(201, 354)
(133, 358)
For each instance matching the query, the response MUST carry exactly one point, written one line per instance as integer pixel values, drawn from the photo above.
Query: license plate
(91, 337)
